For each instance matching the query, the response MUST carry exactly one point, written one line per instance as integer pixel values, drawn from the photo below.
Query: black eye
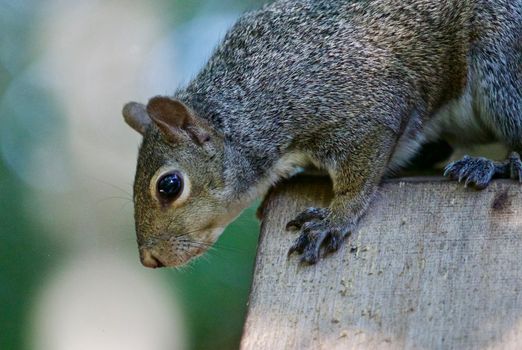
(170, 186)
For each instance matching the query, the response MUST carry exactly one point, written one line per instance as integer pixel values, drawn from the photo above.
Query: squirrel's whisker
(113, 197)
(113, 186)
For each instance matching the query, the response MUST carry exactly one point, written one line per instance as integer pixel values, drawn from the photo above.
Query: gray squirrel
(353, 88)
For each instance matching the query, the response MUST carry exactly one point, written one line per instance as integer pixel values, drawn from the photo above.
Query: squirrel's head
(180, 205)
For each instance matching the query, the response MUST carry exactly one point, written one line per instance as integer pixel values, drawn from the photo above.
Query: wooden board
(433, 265)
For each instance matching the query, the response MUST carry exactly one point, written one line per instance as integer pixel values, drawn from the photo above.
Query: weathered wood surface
(432, 266)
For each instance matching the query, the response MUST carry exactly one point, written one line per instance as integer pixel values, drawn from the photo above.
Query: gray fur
(352, 87)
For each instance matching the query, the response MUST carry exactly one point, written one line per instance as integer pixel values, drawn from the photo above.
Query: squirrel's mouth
(178, 252)
(152, 259)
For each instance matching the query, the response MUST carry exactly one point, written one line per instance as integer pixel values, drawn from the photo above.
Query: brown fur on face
(176, 232)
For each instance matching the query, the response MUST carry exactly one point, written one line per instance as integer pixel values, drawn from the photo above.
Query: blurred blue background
(70, 276)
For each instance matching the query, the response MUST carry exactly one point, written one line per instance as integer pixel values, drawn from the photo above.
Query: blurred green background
(70, 277)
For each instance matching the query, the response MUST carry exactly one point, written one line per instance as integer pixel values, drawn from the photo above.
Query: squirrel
(352, 88)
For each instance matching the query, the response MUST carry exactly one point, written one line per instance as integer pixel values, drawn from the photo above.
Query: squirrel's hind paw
(479, 171)
(476, 171)
(316, 232)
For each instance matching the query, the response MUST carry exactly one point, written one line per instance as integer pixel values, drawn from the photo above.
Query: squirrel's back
(340, 60)
(290, 46)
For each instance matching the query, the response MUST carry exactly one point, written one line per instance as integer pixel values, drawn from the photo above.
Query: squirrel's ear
(175, 120)
(136, 116)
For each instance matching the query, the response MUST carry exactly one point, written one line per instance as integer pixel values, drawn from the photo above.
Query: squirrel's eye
(170, 186)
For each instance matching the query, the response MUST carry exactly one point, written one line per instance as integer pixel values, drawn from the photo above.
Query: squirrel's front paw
(316, 231)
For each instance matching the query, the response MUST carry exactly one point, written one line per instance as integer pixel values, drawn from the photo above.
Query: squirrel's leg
(355, 181)
(499, 90)
(511, 168)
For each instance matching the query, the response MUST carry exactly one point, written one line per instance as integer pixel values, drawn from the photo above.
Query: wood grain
(433, 265)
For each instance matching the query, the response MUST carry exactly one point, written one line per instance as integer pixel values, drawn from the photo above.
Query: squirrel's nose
(149, 260)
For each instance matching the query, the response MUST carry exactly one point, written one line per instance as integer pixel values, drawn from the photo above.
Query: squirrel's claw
(316, 237)
(308, 215)
(299, 244)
